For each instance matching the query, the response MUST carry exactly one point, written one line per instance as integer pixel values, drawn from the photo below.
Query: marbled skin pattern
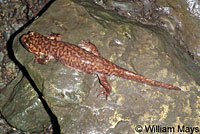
(84, 58)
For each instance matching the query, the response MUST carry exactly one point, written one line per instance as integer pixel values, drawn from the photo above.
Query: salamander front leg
(106, 86)
(55, 36)
(41, 60)
(88, 46)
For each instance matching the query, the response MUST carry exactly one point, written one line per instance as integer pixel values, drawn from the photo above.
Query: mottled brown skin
(84, 58)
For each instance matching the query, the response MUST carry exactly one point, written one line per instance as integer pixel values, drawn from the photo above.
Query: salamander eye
(32, 33)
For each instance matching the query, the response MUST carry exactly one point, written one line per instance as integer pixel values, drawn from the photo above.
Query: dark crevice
(54, 121)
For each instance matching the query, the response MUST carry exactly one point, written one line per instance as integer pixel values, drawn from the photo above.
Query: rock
(1, 56)
(184, 17)
(72, 95)
(21, 106)
(10, 67)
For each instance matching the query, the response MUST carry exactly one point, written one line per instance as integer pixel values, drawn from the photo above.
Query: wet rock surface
(23, 109)
(179, 18)
(14, 14)
(183, 22)
(71, 96)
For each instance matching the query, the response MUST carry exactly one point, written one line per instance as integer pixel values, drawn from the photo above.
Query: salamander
(83, 57)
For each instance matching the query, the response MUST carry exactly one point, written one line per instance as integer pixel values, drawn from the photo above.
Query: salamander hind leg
(55, 36)
(88, 46)
(41, 60)
(106, 86)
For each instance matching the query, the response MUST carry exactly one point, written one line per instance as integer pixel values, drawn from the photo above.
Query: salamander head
(33, 43)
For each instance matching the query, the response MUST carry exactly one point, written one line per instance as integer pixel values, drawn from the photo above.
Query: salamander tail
(135, 77)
